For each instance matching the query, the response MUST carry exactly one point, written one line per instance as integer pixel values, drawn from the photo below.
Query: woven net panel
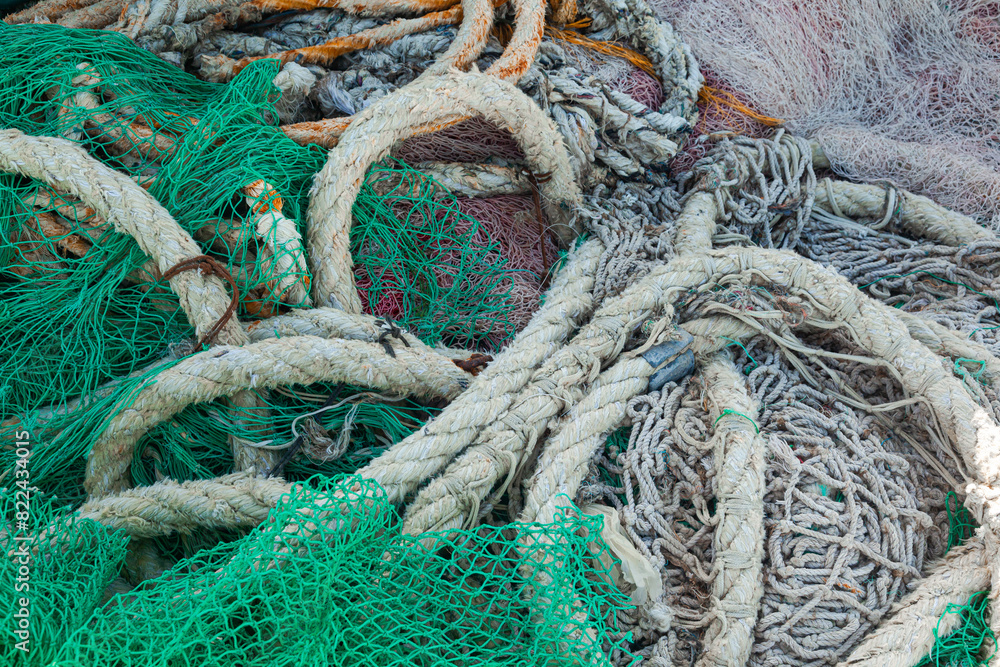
(919, 118)
(342, 428)
(519, 229)
(183, 139)
(420, 260)
(78, 302)
(721, 110)
(352, 591)
(851, 512)
(472, 140)
(64, 579)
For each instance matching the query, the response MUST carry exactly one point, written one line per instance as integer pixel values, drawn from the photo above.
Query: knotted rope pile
(807, 368)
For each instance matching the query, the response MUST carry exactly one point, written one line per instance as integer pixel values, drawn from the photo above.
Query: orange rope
(504, 31)
(708, 95)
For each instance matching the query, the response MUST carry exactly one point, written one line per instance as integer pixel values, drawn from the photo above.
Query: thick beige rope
(449, 501)
(951, 344)
(565, 459)
(321, 322)
(237, 501)
(918, 215)
(471, 39)
(738, 539)
(696, 223)
(469, 180)
(224, 371)
(906, 637)
(405, 465)
(117, 199)
(398, 116)
(282, 251)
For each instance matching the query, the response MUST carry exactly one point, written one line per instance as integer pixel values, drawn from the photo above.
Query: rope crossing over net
(797, 371)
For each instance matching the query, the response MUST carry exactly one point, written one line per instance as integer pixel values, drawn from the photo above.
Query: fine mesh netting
(353, 591)
(87, 304)
(342, 427)
(472, 140)
(64, 578)
(424, 262)
(892, 91)
(721, 111)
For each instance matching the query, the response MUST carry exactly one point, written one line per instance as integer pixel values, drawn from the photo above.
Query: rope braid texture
(827, 463)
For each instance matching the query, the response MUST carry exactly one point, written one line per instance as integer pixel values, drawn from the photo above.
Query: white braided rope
(117, 199)
(397, 116)
(224, 371)
(739, 534)
(237, 501)
(405, 465)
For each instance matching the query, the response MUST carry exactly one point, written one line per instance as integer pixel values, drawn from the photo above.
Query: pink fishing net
(715, 117)
(901, 91)
(641, 87)
(472, 140)
(512, 222)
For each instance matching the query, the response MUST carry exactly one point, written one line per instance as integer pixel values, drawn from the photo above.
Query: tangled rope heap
(806, 366)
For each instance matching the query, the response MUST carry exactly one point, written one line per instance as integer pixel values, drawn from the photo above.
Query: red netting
(472, 140)
(642, 88)
(512, 222)
(715, 115)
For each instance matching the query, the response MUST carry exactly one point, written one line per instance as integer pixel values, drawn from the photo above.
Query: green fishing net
(329, 580)
(80, 306)
(342, 429)
(423, 262)
(63, 578)
(85, 315)
(972, 643)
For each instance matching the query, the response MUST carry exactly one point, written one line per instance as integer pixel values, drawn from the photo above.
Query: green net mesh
(87, 305)
(344, 427)
(417, 261)
(64, 579)
(82, 308)
(973, 643)
(353, 591)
